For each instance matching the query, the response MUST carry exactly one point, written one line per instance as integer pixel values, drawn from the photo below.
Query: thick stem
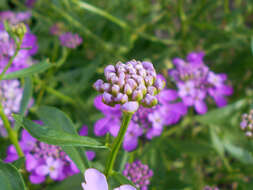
(117, 143)
(11, 133)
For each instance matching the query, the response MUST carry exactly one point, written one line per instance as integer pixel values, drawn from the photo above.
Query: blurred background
(199, 150)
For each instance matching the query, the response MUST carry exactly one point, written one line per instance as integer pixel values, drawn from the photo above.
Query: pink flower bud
(130, 107)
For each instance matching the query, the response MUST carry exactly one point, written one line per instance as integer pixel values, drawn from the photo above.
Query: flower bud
(107, 98)
(98, 85)
(152, 90)
(132, 83)
(130, 107)
(149, 80)
(137, 95)
(115, 89)
(105, 87)
(159, 84)
(19, 30)
(128, 90)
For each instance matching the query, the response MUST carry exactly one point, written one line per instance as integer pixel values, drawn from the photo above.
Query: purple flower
(30, 3)
(52, 167)
(14, 18)
(70, 40)
(139, 174)
(44, 160)
(95, 180)
(11, 96)
(195, 82)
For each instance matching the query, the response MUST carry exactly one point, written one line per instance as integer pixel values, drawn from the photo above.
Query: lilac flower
(195, 82)
(10, 97)
(139, 174)
(130, 84)
(44, 160)
(70, 40)
(52, 167)
(247, 123)
(95, 180)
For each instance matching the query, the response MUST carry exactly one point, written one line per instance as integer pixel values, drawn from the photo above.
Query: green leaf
(50, 135)
(217, 143)
(122, 179)
(10, 178)
(19, 163)
(34, 69)
(27, 95)
(221, 115)
(251, 44)
(239, 153)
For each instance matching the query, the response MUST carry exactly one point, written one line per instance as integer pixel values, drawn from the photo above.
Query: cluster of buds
(247, 123)
(130, 84)
(139, 174)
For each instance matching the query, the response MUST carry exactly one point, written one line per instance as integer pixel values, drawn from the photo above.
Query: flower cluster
(44, 160)
(10, 97)
(7, 45)
(130, 84)
(139, 174)
(195, 81)
(95, 180)
(247, 123)
(67, 39)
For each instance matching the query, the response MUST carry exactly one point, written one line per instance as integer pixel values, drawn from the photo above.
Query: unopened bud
(130, 107)
(98, 85)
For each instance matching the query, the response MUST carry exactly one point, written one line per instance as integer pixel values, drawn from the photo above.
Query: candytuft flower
(44, 160)
(70, 40)
(247, 123)
(139, 174)
(130, 84)
(195, 82)
(95, 180)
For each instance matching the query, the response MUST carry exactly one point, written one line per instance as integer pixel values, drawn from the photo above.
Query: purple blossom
(44, 160)
(195, 82)
(95, 180)
(10, 96)
(70, 40)
(14, 18)
(139, 174)
(30, 3)
(57, 29)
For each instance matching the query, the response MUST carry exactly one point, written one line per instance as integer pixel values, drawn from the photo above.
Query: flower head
(130, 84)
(95, 180)
(195, 82)
(247, 123)
(70, 40)
(139, 174)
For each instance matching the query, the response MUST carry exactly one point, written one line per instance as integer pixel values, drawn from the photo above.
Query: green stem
(117, 143)
(11, 133)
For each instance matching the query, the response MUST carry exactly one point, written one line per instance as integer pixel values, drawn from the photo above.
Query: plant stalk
(117, 144)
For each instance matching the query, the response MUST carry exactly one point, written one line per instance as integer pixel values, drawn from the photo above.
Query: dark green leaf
(27, 95)
(50, 135)
(239, 153)
(34, 69)
(19, 163)
(122, 179)
(221, 115)
(10, 178)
